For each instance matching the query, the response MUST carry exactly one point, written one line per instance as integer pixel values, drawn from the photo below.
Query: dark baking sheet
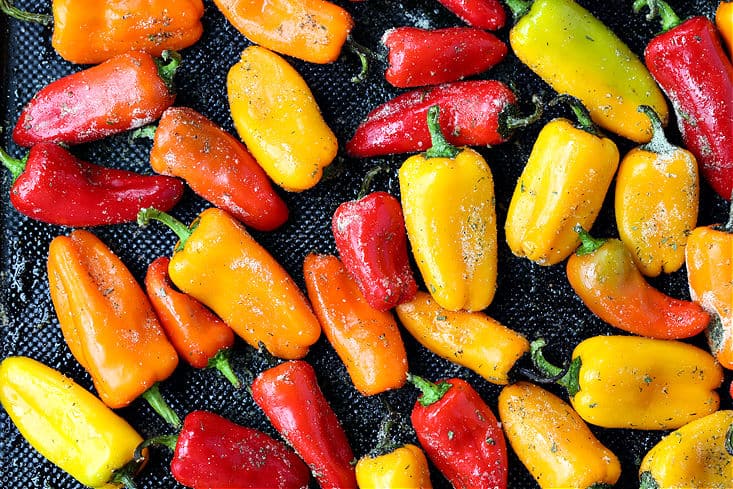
(534, 300)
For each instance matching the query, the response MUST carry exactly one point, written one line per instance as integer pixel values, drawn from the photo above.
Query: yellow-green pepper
(67, 424)
(405, 467)
(448, 204)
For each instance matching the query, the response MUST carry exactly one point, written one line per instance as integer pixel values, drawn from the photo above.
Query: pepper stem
(431, 393)
(659, 143)
(729, 440)
(156, 401)
(385, 444)
(167, 67)
(364, 53)
(220, 361)
(366, 183)
(519, 8)
(144, 132)
(145, 215)
(646, 481)
(16, 166)
(570, 378)
(124, 475)
(588, 244)
(585, 122)
(168, 441)
(8, 8)
(510, 120)
(660, 8)
(441, 148)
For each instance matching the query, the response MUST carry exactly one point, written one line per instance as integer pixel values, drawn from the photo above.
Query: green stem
(729, 440)
(600, 485)
(431, 393)
(519, 8)
(8, 8)
(168, 441)
(220, 361)
(510, 120)
(646, 481)
(659, 143)
(156, 401)
(144, 132)
(364, 54)
(145, 215)
(16, 166)
(366, 183)
(167, 67)
(441, 148)
(588, 244)
(585, 122)
(660, 8)
(124, 475)
(571, 378)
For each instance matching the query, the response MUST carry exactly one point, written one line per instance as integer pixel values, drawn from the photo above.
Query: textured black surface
(534, 300)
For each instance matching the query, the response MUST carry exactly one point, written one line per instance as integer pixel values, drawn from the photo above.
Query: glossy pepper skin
(419, 57)
(638, 383)
(125, 92)
(66, 423)
(689, 63)
(106, 319)
(552, 440)
(93, 195)
(367, 340)
(372, 243)
(448, 203)
(292, 400)
(278, 119)
(577, 54)
(656, 202)
(405, 467)
(471, 339)
(217, 167)
(222, 266)
(564, 183)
(709, 263)
(695, 455)
(605, 277)
(724, 23)
(90, 32)
(482, 14)
(460, 434)
(311, 30)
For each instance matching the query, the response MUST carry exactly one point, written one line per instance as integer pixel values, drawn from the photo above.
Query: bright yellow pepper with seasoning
(699, 454)
(563, 184)
(279, 120)
(552, 441)
(67, 424)
(448, 204)
(405, 467)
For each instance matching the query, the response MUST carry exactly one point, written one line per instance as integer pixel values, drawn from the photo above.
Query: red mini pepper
(472, 113)
(372, 243)
(52, 185)
(125, 92)
(460, 434)
(419, 57)
(690, 65)
(213, 452)
(483, 14)
(290, 397)
(198, 335)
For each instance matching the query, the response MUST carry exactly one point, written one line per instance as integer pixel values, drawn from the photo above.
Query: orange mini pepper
(724, 22)
(108, 322)
(311, 30)
(367, 340)
(221, 265)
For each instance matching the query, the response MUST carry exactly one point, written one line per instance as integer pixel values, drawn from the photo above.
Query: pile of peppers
(420, 266)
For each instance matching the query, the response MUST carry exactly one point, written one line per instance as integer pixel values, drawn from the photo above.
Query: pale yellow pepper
(405, 468)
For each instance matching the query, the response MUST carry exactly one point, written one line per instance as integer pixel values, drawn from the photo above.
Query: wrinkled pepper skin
(552, 440)
(693, 456)
(656, 203)
(213, 452)
(605, 277)
(563, 184)
(90, 32)
(106, 319)
(278, 119)
(470, 339)
(66, 423)
(419, 57)
(405, 467)
(124, 92)
(371, 240)
(724, 23)
(482, 14)
(217, 167)
(292, 400)
(93, 195)
(311, 30)
(576, 54)
(367, 340)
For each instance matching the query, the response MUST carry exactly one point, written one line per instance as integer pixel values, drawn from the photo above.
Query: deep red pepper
(483, 14)
(372, 243)
(460, 434)
(472, 113)
(690, 65)
(125, 92)
(419, 57)
(212, 452)
(291, 398)
(53, 186)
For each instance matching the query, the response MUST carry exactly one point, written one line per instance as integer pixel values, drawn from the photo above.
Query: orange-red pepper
(724, 23)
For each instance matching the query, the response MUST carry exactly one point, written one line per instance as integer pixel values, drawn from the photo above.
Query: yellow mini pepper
(67, 424)
(552, 441)
(696, 455)
(405, 467)
(471, 339)
(278, 119)
(563, 184)
(448, 204)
